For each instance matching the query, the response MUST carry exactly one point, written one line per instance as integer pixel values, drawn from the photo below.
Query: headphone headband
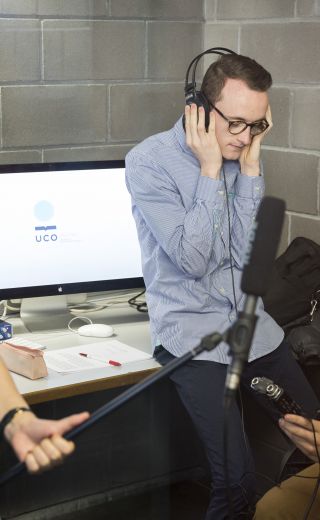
(190, 88)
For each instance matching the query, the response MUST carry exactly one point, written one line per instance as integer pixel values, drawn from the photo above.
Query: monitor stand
(45, 313)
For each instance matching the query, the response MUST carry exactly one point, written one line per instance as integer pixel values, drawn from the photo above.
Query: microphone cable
(229, 233)
(225, 415)
(226, 466)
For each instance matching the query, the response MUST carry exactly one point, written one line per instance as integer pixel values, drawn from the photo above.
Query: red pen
(110, 362)
(114, 363)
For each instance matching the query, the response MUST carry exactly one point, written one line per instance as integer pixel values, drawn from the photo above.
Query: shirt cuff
(249, 187)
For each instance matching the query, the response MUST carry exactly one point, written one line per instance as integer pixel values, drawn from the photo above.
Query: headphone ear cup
(202, 101)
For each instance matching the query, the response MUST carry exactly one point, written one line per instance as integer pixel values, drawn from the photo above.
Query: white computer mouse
(97, 330)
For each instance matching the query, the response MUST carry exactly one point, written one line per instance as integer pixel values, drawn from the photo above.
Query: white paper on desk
(69, 359)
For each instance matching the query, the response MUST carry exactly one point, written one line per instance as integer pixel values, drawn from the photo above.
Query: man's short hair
(234, 66)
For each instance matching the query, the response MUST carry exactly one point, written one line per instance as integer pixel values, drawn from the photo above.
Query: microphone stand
(239, 337)
(239, 333)
(207, 343)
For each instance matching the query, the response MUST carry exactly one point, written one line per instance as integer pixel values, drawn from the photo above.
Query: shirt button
(222, 290)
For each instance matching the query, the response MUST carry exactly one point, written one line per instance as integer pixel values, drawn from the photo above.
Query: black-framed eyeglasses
(239, 126)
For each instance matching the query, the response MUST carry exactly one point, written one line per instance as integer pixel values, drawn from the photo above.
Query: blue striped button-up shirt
(182, 225)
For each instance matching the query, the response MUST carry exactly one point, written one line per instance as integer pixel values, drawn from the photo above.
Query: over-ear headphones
(193, 95)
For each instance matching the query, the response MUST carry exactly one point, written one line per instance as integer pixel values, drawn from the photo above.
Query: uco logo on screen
(44, 211)
(251, 238)
(47, 235)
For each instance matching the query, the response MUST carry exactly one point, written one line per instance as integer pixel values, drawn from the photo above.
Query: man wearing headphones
(195, 191)
(37, 442)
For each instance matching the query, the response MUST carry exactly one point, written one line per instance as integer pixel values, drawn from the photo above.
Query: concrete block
(54, 8)
(280, 108)
(308, 8)
(217, 35)
(229, 9)
(20, 50)
(279, 48)
(171, 47)
(306, 118)
(163, 9)
(292, 177)
(53, 115)
(19, 7)
(93, 50)
(20, 157)
(138, 111)
(87, 153)
(210, 9)
(305, 227)
(73, 8)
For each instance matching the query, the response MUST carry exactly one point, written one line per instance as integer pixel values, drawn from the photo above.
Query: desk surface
(131, 327)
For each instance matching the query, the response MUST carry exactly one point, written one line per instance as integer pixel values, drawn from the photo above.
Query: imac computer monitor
(68, 228)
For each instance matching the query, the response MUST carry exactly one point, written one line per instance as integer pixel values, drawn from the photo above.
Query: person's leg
(291, 499)
(281, 367)
(200, 385)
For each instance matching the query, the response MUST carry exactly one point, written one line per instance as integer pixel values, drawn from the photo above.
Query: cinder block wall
(284, 36)
(87, 79)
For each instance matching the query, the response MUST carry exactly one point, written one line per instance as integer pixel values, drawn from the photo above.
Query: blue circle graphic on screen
(44, 210)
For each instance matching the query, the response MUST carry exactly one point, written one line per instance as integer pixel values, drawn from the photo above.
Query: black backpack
(293, 298)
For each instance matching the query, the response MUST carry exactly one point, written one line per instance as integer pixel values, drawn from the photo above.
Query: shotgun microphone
(262, 246)
(259, 256)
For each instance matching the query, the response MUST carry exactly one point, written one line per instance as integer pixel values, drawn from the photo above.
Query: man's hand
(300, 431)
(39, 442)
(203, 144)
(250, 155)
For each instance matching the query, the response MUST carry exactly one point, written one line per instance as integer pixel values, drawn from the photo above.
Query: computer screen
(66, 228)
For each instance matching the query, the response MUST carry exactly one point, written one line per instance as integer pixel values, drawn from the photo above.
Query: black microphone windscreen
(262, 246)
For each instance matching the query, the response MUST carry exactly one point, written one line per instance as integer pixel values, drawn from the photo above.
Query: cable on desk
(140, 306)
(94, 304)
(83, 318)
(83, 308)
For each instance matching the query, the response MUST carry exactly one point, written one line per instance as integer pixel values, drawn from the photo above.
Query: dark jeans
(200, 385)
